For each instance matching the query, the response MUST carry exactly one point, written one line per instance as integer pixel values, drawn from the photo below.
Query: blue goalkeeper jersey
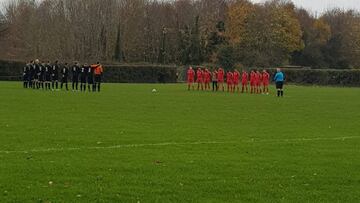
(279, 77)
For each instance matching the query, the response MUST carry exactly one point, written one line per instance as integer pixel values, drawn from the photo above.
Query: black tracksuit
(83, 75)
(55, 75)
(75, 77)
(32, 75)
(37, 75)
(26, 72)
(47, 76)
(42, 76)
(64, 76)
(90, 79)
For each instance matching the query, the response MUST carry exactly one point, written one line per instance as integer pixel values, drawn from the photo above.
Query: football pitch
(127, 144)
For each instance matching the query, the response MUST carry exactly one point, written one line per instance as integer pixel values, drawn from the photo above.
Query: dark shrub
(10, 70)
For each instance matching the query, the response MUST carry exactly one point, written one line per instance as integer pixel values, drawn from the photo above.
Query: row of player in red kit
(259, 82)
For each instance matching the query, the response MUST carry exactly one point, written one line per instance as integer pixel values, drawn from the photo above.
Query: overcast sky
(320, 6)
(313, 5)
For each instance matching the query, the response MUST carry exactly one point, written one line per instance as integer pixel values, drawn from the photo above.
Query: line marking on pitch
(292, 140)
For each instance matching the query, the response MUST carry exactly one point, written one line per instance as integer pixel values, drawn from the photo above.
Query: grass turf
(221, 147)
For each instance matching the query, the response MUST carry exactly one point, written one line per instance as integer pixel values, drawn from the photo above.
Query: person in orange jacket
(98, 73)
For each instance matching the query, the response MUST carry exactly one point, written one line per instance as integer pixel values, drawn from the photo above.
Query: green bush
(226, 57)
(10, 70)
(140, 74)
(322, 77)
(137, 73)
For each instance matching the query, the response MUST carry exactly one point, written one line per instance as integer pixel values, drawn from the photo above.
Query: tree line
(222, 32)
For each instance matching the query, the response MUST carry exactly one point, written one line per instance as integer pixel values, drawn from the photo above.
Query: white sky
(320, 6)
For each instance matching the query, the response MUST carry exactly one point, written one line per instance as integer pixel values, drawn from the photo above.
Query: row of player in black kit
(38, 75)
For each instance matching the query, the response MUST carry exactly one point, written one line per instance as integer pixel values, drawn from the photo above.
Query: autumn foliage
(222, 32)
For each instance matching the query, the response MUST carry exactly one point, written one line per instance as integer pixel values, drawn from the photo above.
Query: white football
(154, 90)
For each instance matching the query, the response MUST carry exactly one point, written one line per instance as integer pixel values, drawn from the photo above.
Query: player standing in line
(55, 76)
(203, 78)
(236, 80)
(83, 73)
(252, 82)
(266, 81)
(29, 67)
(199, 79)
(229, 81)
(279, 80)
(244, 81)
(214, 80)
(37, 73)
(190, 78)
(98, 73)
(256, 80)
(42, 75)
(259, 82)
(221, 75)
(75, 76)
(207, 78)
(26, 75)
(90, 79)
(64, 76)
(48, 76)
(31, 74)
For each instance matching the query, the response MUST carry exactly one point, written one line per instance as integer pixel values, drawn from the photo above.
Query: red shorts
(220, 80)
(252, 83)
(190, 80)
(207, 81)
(266, 83)
(230, 83)
(236, 82)
(199, 80)
(244, 83)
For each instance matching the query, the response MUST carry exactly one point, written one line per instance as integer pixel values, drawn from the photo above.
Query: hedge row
(10, 70)
(140, 74)
(323, 77)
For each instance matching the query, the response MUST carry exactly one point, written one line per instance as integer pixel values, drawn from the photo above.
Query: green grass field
(127, 144)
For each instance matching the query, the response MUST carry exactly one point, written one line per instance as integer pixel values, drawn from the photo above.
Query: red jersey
(207, 76)
(221, 75)
(244, 78)
(252, 78)
(256, 78)
(266, 78)
(236, 77)
(199, 76)
(190, 75)
(229, 77)
(259, 78)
